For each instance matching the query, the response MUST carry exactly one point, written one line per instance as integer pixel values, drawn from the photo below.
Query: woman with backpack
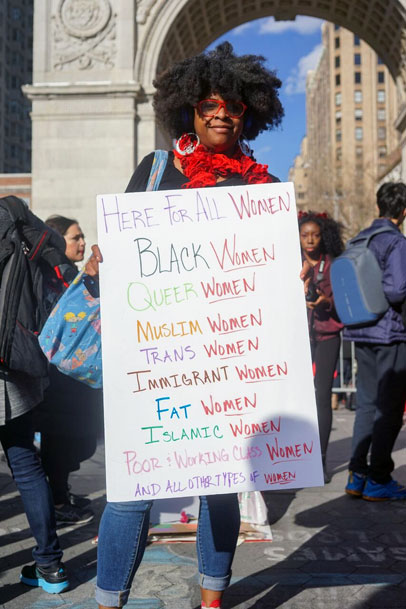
(320, 240)
(33, 258)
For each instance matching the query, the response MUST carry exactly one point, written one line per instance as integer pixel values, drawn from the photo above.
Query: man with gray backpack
(380, 348)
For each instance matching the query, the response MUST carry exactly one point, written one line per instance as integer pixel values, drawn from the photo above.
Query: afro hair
(331, 239)
(220, 71)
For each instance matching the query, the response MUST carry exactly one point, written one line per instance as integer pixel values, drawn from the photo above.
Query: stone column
(83, 105)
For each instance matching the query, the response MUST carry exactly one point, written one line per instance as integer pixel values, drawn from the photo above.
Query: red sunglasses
(211, 107)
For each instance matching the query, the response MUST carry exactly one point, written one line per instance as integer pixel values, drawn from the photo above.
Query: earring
(187, 143)
(244, 146)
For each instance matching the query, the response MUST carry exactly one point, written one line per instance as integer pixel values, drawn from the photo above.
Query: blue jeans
(17, 439)
(381, 394)
(123, 534)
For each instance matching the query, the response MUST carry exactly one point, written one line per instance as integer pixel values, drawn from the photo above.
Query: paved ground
(329, 550)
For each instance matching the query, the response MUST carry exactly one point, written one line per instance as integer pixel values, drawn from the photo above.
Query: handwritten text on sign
(207, 373)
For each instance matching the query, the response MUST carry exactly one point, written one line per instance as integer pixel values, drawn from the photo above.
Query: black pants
(69, 420)
(61, 455)
(381, 395)
(325, 355)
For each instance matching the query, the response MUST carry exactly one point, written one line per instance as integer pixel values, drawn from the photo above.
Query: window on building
(301, 195)
(359, 151)
(357, 59)
(337, 61)
(336, 27)
(358, 114)
(381, 114)
(357, 41)
(337, 42)
(338, 99)
(16, 14)
(381, 77)
(381, 133)
(381, 95)
(339, 154)
(338, 117)
(382, 151)
(359, 134)
(338, 135)
(338, 80)
(358, 96)
(357, 78)
(380, 61)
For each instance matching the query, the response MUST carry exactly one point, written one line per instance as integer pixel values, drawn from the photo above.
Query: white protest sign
(207, 374)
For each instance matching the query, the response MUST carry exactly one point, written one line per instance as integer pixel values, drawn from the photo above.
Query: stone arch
(170, 33)
(92, 88)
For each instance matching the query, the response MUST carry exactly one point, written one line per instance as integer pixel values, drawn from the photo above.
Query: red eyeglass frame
(221, 104)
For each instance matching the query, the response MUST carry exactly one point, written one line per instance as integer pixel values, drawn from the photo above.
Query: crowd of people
(212, 104)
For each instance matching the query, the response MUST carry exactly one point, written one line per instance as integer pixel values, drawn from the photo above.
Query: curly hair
(331, 239)
(220, 71)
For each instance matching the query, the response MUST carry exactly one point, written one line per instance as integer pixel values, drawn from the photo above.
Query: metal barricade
(347, 370)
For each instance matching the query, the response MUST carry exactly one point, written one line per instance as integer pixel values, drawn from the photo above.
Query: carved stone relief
(84, 35)
(143, 9)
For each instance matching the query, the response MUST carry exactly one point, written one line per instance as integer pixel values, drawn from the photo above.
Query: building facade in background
(16, 43)
(352, 142)
(298, 174)
(16, 184)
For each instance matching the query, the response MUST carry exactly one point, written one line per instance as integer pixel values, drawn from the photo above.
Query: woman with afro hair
(320, 240)
(212, 104)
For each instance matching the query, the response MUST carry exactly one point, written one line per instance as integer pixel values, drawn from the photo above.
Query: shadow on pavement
(360, 544)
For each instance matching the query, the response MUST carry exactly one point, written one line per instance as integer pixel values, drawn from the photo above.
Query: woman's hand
(322, 300)
(306, 274)
(92, 265)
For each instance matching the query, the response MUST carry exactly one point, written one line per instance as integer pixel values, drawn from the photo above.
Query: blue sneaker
(374, 491)
(53, 580)
(355, 484)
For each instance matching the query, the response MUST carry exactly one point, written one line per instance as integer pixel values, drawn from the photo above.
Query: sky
(291, 49)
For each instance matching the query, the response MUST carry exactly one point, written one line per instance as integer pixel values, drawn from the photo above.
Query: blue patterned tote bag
(70, 337)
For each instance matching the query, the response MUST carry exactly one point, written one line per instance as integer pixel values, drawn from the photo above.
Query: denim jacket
(390, 251)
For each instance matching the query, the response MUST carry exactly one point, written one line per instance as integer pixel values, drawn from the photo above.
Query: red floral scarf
(203, 168)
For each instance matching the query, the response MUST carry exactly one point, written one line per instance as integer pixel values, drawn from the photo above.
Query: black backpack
(34, 273)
